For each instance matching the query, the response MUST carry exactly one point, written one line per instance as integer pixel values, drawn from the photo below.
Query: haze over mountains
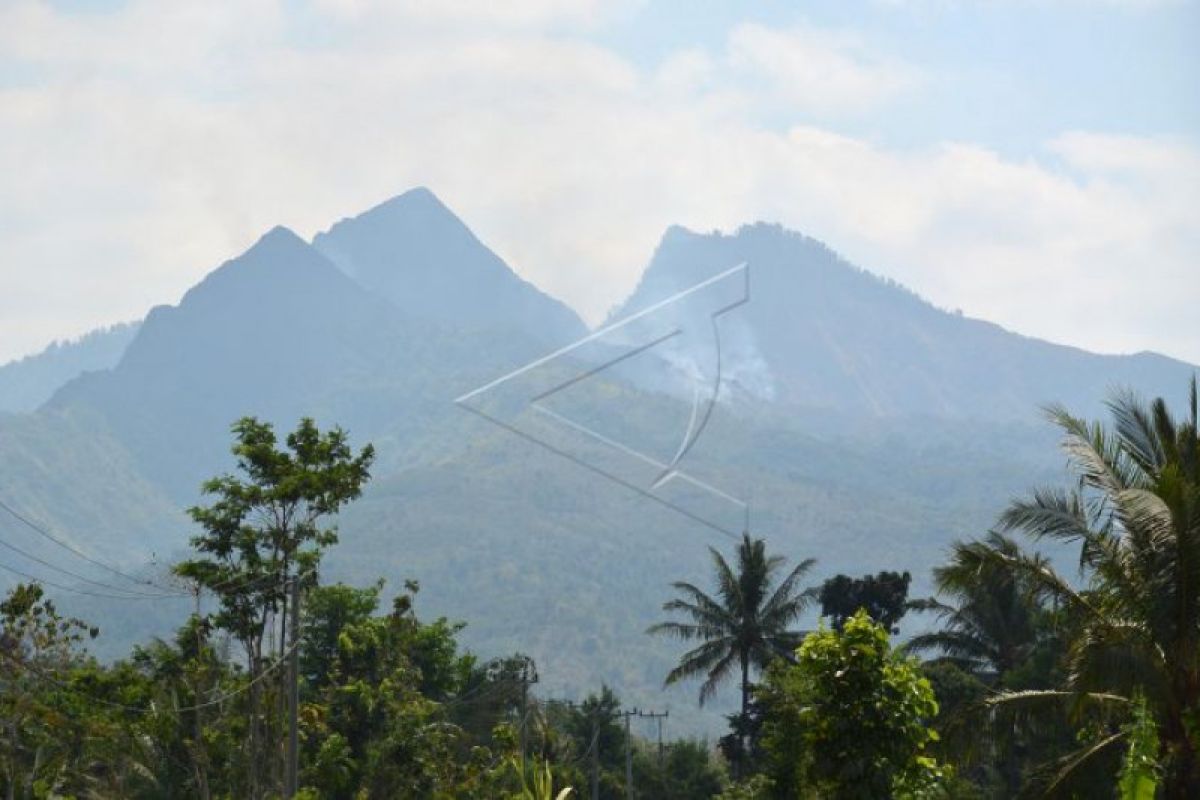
(868, 428)
(28, 382)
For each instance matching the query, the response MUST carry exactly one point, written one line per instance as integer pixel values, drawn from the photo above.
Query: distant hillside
(541, 555)
(28, 382)
(820, 332)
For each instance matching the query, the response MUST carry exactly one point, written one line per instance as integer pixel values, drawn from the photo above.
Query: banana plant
(537, 782)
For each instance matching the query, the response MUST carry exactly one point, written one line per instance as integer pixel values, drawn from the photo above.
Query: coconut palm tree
(994, 627)
(993, 624)
(1135, 515)
(744, 625)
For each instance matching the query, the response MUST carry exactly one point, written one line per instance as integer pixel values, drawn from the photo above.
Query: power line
(46, 534)
(38, 673)
(169, 592)
(65, 588)
(658, 716)
(132, 594)
(234, 584)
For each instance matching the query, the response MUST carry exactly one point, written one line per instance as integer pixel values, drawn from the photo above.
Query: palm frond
(717, 675)
(960, 646)
(784, 596)
(699, 660)
(1136, 430)
(1051, 513)
(1103, 462)
(1068, 771)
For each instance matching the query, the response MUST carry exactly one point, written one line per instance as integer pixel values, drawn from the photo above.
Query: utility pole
(659, 716)
(292, 778)
(629, 754)
(199, 755)
(595, 756)
(528, 675)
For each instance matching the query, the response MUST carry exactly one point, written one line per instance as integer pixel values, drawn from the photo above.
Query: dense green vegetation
(1035, 684)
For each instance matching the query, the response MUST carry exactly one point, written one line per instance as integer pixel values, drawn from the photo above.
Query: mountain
(278, 332)
(28, 382)
(862, 426)
(417, 254)
(820, 332)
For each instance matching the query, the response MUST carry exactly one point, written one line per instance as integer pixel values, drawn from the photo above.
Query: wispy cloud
(816, 70)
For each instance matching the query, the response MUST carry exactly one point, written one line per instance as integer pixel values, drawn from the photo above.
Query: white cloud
(1126, 4)
(153, 146)
(475, 13)
(818, 70)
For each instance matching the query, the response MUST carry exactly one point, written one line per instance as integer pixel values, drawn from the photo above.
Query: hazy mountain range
(27, 383)
(864, 426)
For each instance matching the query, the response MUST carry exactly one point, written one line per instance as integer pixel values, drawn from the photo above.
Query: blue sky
(1032, 162)
(1007, 74)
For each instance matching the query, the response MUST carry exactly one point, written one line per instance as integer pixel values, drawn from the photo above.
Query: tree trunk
(1182, 779)
(255, 729)
(745, 683)
(743, 745)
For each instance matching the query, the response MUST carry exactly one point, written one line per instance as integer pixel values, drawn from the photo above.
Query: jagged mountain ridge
(26, 383)
(281, 332)
(275, 332)
(417, 254)
(823, 333)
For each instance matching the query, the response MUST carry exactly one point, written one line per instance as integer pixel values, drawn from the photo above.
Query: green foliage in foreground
(850, 720)
(390, 707)
(1134, 630)
(1048, 687)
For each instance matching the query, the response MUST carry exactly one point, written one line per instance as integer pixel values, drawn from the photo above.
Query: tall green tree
(1135, 516)
(380, 697)
(884, 597)
(745, 625)
(850, 719)
(995, 629)
(264, 529)
(38, 648)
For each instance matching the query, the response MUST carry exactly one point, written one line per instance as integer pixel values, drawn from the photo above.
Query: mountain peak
(417, 254)
(829, 333)
(419, 201)
(278, 239)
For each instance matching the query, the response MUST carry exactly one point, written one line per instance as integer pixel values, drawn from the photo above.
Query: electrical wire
(65, 588)
(151, 710)
(132, 594)
(46, 534)
(169, 592)
(481, 693)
